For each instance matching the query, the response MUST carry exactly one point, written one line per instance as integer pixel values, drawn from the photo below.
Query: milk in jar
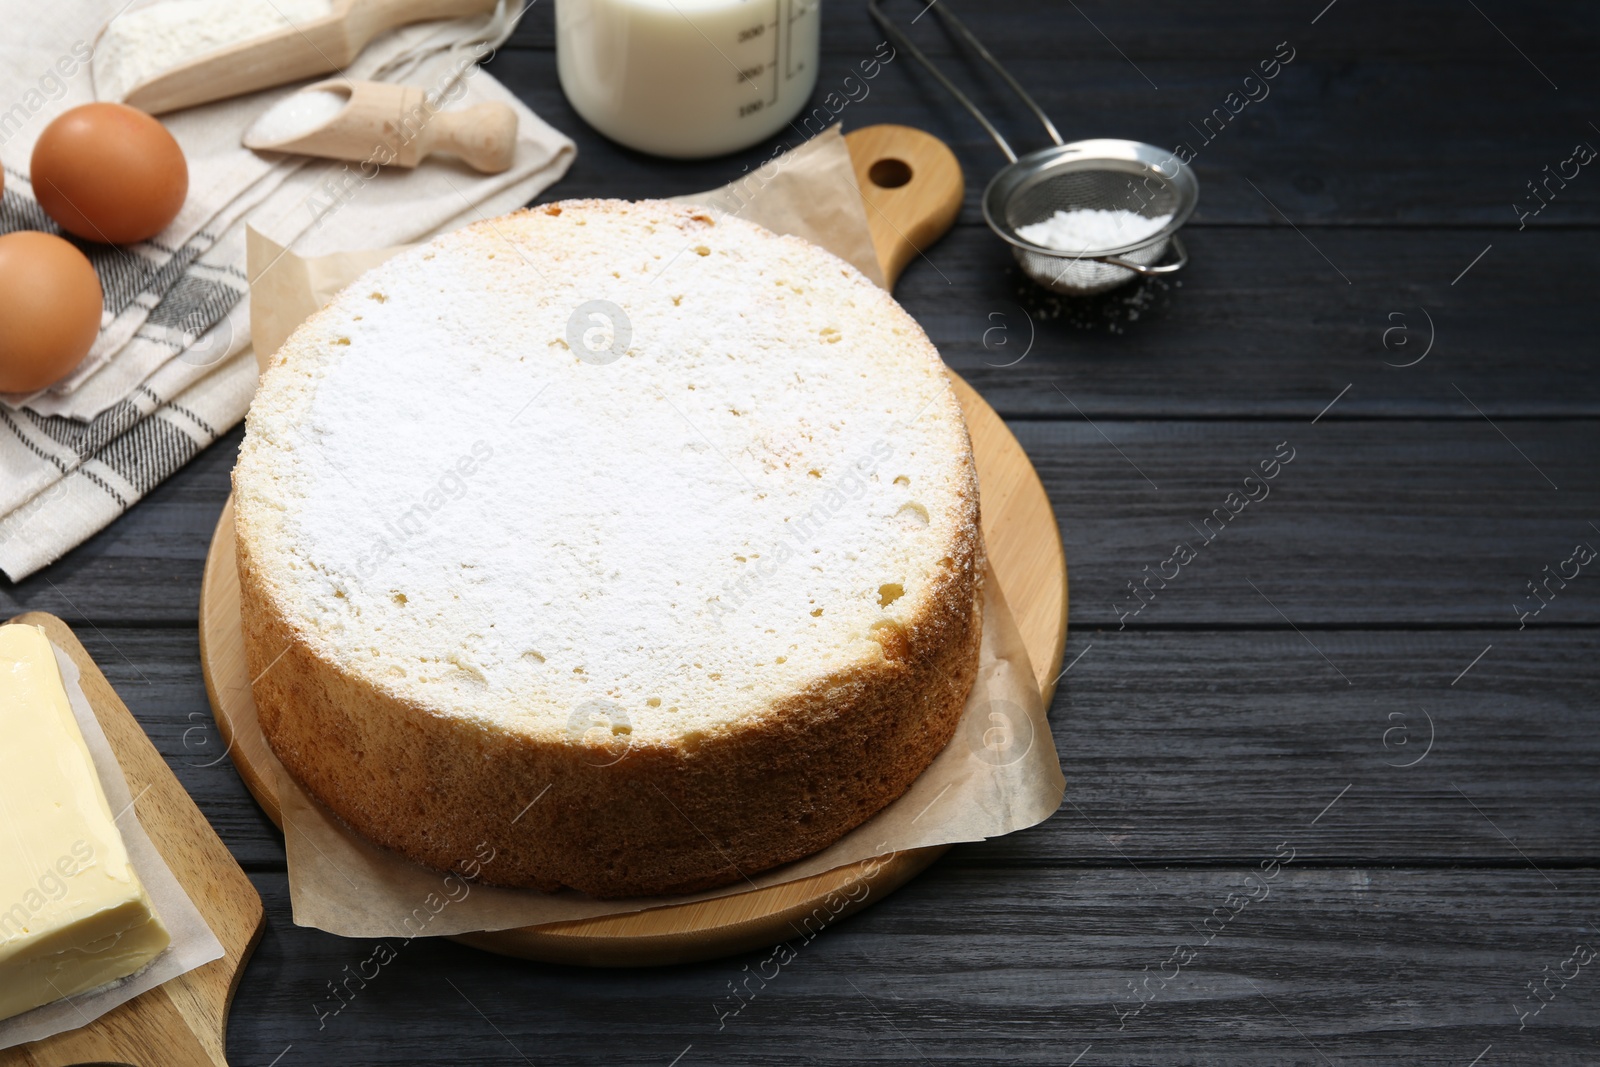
(687, 78)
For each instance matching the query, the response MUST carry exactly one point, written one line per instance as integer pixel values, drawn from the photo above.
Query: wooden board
(912, 187)
(180, 1023)
(1024, 546)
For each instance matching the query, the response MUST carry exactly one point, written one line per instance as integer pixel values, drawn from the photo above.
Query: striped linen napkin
(172, 369)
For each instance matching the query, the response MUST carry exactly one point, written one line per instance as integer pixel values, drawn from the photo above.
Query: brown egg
(50, 305)
(109, 172)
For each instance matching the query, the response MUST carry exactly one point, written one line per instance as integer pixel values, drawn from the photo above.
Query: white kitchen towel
(53, 59)
(75, 457)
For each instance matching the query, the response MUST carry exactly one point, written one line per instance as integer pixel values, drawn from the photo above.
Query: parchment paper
(999, 774)
(811, 193)
(193, 943)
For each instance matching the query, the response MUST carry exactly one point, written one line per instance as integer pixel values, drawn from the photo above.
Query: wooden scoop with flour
(299, 51)
(389, 125)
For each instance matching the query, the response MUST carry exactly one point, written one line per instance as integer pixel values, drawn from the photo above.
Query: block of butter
(73, 914)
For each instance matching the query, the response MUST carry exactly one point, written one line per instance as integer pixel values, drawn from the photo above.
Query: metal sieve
(1102, 174)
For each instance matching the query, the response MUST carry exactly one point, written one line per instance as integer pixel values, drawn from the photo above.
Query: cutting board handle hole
(889, 173)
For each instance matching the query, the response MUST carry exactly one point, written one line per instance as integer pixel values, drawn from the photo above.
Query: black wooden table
(1332, 790)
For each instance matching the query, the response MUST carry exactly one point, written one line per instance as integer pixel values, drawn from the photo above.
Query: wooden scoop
(294, 52)
(393, 125)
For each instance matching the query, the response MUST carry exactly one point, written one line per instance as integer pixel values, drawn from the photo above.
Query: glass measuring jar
(687, 78)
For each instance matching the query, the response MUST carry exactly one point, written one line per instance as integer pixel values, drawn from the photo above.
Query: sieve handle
(901, 41)
(1140, 268)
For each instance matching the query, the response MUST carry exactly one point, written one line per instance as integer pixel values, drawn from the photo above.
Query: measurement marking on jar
(778, 42)
(782, 66)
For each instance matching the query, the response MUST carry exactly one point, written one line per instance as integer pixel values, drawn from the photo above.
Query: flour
(295, 116)
(1091, 230)
(140, 44)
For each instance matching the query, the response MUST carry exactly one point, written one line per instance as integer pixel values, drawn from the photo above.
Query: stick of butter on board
(73, 913)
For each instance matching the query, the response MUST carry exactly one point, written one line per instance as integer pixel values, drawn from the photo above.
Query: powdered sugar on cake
(465, 508)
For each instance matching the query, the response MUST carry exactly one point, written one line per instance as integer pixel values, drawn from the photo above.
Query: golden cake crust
(661, 819)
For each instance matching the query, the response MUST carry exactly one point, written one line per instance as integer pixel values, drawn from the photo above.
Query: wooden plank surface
(1211, 729)
(1263, 326)
(1172, 29)
(1183, 746)
(1025, 560)
(1427, 522)
(1362, 966)
(1353, 130)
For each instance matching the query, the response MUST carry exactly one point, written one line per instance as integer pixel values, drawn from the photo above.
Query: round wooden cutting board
(1025, 552)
